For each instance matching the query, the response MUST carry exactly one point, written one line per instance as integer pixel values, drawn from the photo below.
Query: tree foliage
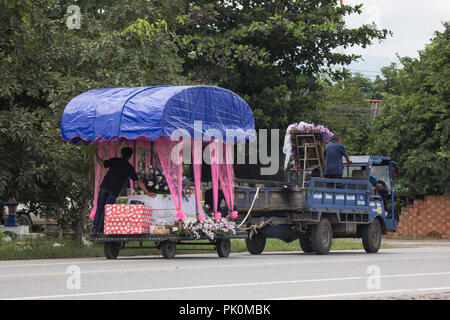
(269, 51)
(343, 109)
(414, 126)
(44, 64)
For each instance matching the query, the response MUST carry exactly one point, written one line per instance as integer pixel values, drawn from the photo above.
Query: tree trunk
(79, 228)
(81, 221)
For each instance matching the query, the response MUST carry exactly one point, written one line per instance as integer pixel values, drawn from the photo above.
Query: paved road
(291, 275)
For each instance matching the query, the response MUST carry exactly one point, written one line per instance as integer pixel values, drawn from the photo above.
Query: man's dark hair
(336, 137)
(126, 153)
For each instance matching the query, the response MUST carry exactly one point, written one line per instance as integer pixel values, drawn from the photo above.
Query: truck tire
(306, 245)
(256, 244)
(322, 237)
(223, 247)
(111, 249)
(168, 249)
(371, 236)
(24, 220)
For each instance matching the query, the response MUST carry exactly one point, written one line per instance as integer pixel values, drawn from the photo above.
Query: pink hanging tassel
(94, 209)
(234, 215)
(173, 171)
(218, 216)
(180, 215)
(201, 216)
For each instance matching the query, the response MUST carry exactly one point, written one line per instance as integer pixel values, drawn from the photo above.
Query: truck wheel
(24, 220)
(168, 249)
(223, 247)
(322, 237)
(111, 249)
(306, 245)
(256, 244)
(371, 236)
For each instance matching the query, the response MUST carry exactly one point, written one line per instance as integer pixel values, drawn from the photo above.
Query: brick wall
(426, 218)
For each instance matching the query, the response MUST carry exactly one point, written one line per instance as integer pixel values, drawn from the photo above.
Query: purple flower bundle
(321, 131)
(207, 227)
(324, 132)
(155, 181)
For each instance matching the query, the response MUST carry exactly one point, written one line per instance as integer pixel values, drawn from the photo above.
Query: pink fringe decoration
(106, 151)
(226, 177)
(214, 155)
(197, 165)
(168, 152)
(180, 215)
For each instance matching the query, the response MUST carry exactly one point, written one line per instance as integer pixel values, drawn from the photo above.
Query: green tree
(269, 51)
(44, 64)
(343, 109)
(414, 126)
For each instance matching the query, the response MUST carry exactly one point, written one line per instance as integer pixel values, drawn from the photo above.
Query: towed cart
(158, 123)
(166, 243)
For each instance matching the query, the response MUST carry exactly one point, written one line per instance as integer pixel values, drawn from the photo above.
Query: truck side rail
(339, 195)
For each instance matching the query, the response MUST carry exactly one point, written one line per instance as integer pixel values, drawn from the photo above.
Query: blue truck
(322, 209)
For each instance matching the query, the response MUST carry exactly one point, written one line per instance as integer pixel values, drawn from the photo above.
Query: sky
(412, 23)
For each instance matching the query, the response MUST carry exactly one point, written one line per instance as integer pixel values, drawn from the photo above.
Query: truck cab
(377, 170)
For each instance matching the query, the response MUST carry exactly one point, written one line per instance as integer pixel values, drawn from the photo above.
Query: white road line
(226, 265)
(61, 263)
(3, 264)
(352, 294)
(221, 286)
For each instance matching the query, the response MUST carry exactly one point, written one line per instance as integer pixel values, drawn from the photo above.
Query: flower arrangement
(324, 133)
(207, 227)
(319, 131)
(156, 182)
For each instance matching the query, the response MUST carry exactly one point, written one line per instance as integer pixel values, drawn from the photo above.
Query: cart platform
(158, 237)
(166, 243)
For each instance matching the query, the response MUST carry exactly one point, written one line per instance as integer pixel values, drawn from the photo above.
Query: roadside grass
(65, 248)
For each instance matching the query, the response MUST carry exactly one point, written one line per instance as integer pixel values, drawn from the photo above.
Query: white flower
(189, 221)
(157, 187)
(151, 183)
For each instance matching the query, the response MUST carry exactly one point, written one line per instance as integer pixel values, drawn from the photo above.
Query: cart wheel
(223, 247)
(306, 245)
(256, 244)
(322, 237)
(168, 249)
(371, 237)
(112, 249)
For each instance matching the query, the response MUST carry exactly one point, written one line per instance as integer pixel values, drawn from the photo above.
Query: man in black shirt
(119, 171)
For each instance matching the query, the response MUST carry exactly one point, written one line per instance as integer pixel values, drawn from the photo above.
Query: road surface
(284, 275)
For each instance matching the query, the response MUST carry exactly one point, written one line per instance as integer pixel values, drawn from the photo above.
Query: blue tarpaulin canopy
(151, 112)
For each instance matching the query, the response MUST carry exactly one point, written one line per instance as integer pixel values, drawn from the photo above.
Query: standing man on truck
(119, 171)
(334, 151)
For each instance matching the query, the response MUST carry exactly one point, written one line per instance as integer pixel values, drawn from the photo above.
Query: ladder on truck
(308, 153)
